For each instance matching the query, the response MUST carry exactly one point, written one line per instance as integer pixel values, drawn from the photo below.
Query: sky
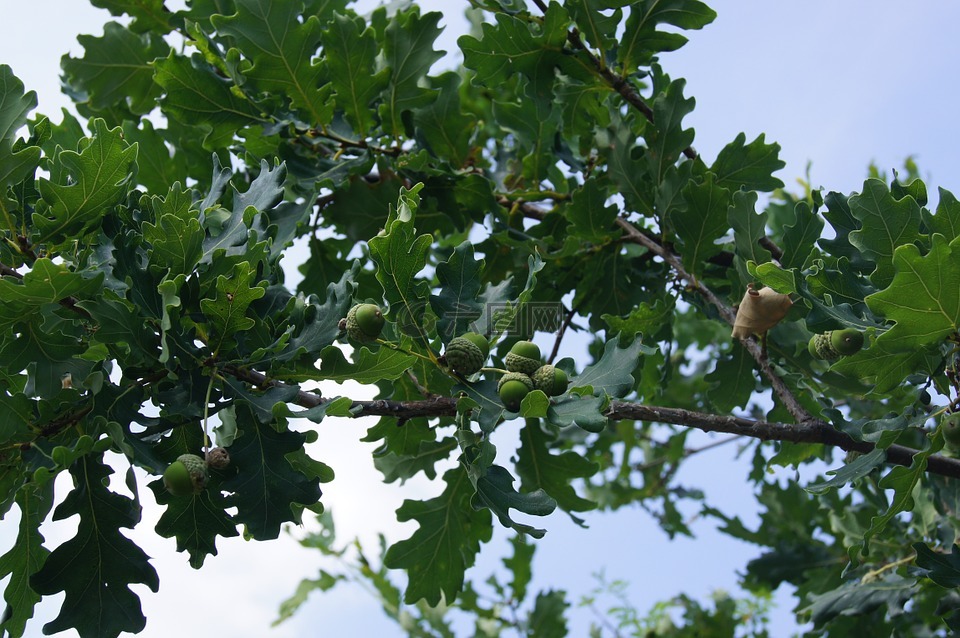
(837, 85)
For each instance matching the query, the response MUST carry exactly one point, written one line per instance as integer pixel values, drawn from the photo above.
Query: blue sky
(836, 84)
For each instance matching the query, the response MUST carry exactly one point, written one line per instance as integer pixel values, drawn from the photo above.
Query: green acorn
(834, 344)
(847, 341)
(523, 357)
(550, 380)
(467, 353)
(951, 430)
(820, 347)
(186, 475)
(364, 322)
(512, 387)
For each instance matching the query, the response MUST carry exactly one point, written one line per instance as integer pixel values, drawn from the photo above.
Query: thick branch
(810, 431)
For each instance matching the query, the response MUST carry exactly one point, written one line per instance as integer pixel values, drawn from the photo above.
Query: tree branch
(727, 313)
(811, 431)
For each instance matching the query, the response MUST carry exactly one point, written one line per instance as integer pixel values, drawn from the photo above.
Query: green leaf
(548, 620)
(902, 480)
(534, 126)
(443, 127)
(642, 40)
(408, 54)
(280, 46)
(350, 57)
(25, 558)
(84, 185)
(947, 220)
(481, 397)
(941, 568)
(553, 473)
(858, 598)
(177, 238)
(584, 412)
(800, 237)
(515, 46)
(886, 365)
(115, 70)
(227, 312)
(46, 283)
(382, 364)
(886, 224)
(495, 491)
(445, 544)
(749, 167)
(598, 29)
(267, 490)
(148, 15)
(646, 320)
(400, 254)
(264, 193)
(631, 174)
(923, 298)
(590, 217)
(194, 520)
(520, 565)
(15, 165)
(457, 306)
(666, 137)
(195, 95)
(95, 568)
(858, 468)
(701, 222)
(613, 373)
(732, 380)
(749, 227)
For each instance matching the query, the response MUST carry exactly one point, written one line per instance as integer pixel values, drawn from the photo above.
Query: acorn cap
(464, 356)
(550, 380)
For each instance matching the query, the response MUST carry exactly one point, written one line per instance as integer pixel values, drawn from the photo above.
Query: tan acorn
(364, 322)
(467, 353)
(218, 458)
(523, 357)
(550, 380)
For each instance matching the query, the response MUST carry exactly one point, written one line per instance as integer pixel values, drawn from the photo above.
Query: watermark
(524, 320)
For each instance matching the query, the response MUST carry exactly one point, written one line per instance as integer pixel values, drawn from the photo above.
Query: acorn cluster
(834, 344)
(188, 474)
(526, 372)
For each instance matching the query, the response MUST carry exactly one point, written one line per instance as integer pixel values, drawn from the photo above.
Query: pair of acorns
(467, 353)
(188, 474)
(834, 344)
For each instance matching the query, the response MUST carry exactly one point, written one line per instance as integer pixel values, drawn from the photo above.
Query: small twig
(688, 453)
(560, 334)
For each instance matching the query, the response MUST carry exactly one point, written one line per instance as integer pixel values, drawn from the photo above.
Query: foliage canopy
(547, 186)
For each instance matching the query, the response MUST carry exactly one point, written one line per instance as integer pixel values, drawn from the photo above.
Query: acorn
(550, 380)
(186, 475)
(523, 357)
(834, 344)
(951, 430)
(467, 353)
(364, 322)
(512, 387)
(847, 341)
(218, 458)
(820, 347)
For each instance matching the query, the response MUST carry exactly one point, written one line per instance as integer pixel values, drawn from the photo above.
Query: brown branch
(811, 431)
(727, 313)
